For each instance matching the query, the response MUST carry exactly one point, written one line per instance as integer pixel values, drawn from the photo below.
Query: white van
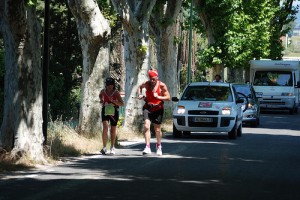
(276, 83)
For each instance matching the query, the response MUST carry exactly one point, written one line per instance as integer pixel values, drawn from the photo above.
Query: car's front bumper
(250, 115)
(278, 102)
(217, 123)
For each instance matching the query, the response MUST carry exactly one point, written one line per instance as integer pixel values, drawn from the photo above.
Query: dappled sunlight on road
(268, 131)
(245, 160)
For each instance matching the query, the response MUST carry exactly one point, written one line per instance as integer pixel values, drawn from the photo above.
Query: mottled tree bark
(135, 18)
(21, 129)
(93, 31)
(165, 28)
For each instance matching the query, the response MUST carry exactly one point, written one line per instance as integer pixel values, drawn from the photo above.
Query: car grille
(180, 121)
(272, 102)
(225, 121)
(203, 112)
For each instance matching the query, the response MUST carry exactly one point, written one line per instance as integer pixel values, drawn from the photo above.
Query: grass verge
(64, 141)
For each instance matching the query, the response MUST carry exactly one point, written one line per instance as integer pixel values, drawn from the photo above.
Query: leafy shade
(243, 30)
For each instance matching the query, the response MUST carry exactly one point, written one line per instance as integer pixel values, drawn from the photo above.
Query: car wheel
(292, 110)
(296, 110)
(233, 133)
(254, 124)
(176, 133)
(240, 131)
(186, 132)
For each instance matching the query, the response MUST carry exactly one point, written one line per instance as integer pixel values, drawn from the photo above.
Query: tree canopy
(244, 30)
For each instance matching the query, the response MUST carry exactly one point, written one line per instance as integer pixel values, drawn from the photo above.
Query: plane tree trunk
(165, 29)
(135, 16)
(21, 129)
(94, 32)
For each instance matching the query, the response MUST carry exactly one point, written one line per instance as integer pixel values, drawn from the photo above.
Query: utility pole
(45, 69)
(190, 44)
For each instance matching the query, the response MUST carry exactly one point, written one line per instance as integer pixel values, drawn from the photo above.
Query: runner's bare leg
(158, 133)
(147, 133)
(113, 135)
(105, 133)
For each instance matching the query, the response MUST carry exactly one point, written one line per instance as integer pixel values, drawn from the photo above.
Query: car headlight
(251, 107)
(287, 94)
(226, 111)
(180, 109)
(259, 94)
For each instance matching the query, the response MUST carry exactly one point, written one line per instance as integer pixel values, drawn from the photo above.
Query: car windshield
(207, 93)
(245, 89)
(273, 78)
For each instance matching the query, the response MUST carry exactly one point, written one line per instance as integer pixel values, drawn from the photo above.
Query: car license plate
(202, 119)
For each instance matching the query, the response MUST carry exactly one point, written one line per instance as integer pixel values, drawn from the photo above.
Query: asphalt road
(262, 164)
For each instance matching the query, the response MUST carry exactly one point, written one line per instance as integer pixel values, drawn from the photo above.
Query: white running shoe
(147, 151)
(113, 151)
(103, 151)
(158, 150)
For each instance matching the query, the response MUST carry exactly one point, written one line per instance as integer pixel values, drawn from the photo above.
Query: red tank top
(149, 94)
(106, 97)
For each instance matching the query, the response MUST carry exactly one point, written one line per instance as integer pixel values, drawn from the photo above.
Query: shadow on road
(257, 165)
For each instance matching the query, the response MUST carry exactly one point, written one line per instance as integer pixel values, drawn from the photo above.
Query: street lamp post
(45, 69)
(190, 44)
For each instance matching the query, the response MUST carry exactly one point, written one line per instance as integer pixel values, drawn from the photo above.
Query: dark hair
(110, 81)
(218, 75)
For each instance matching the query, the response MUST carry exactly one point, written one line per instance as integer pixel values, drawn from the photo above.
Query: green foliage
(120, 122)
(196, 21)
(108, 12)
(205, 56)
(65, 61)
(31, 3)
(62, 103)
(142, 50)
(280, 26)
(242, 31)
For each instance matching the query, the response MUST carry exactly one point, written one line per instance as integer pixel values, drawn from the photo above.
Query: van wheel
(233, 133)
(176, 133)
(186, 132)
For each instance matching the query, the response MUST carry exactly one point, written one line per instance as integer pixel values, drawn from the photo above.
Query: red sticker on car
(205, 104)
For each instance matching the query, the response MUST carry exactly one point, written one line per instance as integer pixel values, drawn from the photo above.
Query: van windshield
(273, 78)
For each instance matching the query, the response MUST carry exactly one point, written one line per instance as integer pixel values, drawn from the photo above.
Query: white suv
(208, 107)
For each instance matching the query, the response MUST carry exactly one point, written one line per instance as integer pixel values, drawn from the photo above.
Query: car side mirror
(240, 100)
(175, 99)
(298, 85)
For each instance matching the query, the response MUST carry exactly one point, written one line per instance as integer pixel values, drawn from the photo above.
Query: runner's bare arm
(119, 101)
(101, 96)
(139, 91)
(165, 95)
